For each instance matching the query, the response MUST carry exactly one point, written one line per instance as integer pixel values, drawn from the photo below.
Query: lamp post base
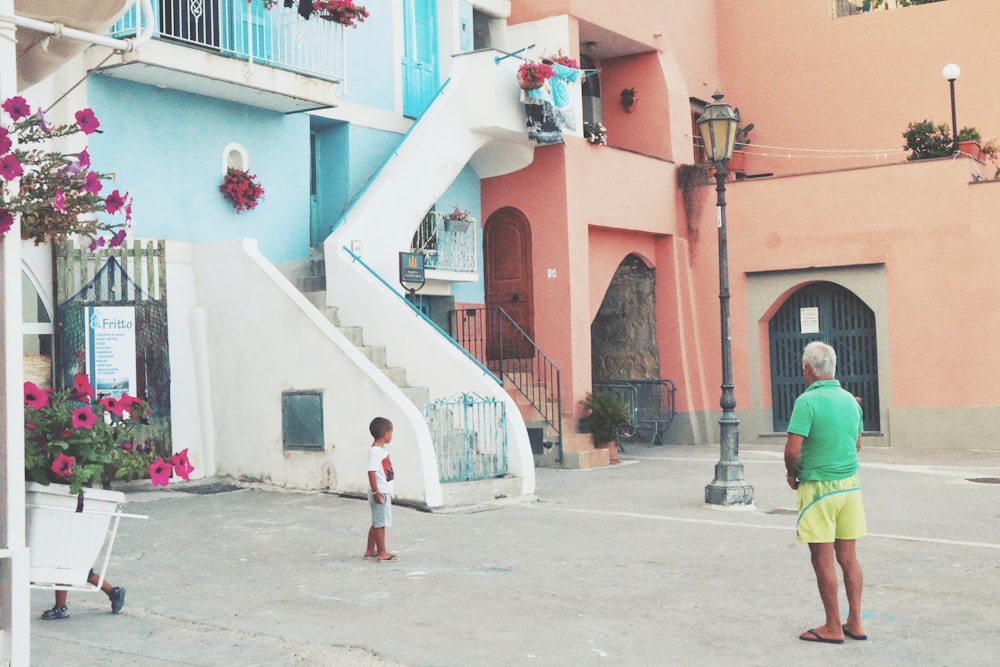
(728, 487)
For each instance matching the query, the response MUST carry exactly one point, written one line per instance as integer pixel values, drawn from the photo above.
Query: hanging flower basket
(344, 12)
(242, 189)
(532, 75)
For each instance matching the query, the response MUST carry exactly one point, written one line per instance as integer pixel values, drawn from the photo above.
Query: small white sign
(809, 320)
(552, 273)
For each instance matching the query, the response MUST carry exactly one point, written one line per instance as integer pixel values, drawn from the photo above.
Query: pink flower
(10, 167)
(59, 201)
(159, 472)
(112, 405)
(84, 158)
(5, 142)
(81, 385)
(182, 466)
(92, 183)
(97, 242)
(113, 202)
(117, 239)
(6, 221)
(17, 107)
(83, 417)
(63, 465)
(35, 397)
(87, 121)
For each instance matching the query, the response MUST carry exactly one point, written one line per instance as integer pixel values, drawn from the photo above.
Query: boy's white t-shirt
(379, 463)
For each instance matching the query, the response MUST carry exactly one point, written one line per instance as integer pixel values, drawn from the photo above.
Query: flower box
(64, 544)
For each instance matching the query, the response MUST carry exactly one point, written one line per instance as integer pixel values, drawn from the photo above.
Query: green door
(833, 314)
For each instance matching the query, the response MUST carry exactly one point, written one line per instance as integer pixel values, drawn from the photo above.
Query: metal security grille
(470, 437)
(132, 275)
(847, 324)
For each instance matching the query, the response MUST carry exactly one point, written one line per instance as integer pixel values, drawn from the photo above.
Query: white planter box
(63, 543)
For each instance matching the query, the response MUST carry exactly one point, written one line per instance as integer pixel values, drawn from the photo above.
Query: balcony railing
(446, 244)
(278, 37)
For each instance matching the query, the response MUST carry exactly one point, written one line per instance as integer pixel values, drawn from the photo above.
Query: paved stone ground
(615, 566)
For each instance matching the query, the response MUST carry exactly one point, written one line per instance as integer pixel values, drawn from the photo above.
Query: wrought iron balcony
(278, 37)
(446, 244)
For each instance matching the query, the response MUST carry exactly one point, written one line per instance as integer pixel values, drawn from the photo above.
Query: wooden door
(507, 258)
(420, 70)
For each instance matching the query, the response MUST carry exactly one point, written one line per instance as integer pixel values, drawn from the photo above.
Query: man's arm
(793, 448)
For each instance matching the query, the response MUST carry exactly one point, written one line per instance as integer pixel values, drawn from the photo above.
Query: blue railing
(470, 437)
(278, 37)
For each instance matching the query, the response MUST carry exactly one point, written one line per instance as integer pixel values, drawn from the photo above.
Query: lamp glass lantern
(717, 125)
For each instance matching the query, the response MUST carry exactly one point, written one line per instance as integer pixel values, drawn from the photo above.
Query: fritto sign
(110, 345)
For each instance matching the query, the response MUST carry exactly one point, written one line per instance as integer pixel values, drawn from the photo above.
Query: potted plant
(344, 12)
(74, 442)
(242, 189)
(969, 142)
(458, 219)
(58, 194)
(595, 133)
(628, 99)
(925, 140)
(532, 75)
(607, 420)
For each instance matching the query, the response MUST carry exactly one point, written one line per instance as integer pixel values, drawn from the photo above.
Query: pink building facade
(833, 234)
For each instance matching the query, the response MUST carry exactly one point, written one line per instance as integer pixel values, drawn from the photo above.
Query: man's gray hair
(821, 358)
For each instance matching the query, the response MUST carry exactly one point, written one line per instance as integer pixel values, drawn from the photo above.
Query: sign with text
(110, 345)
(411, 269)
(809, 320)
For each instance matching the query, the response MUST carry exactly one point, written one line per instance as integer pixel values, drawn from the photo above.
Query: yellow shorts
(830, 510)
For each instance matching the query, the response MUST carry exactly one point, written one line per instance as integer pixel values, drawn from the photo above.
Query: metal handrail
(534, 375)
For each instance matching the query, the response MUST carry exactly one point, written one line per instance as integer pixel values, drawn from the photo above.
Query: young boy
(380, 478)
(115, 593)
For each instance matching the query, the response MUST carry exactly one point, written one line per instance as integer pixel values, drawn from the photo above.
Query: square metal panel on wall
(302, 420)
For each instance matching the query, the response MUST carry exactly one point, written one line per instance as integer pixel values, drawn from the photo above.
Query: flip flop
(391, 557)
(850, 634)
(816, 637)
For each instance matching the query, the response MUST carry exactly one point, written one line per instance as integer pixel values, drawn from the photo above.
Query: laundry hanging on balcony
(548, 109)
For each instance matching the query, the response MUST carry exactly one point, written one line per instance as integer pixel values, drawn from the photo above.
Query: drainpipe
(125, 45)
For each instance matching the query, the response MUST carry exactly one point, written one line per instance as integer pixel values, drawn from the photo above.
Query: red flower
(10, 167)
(112, 405)
(182, 466)
(114, 201)
(35, 397)
(159, 472)
(5, 142)
(6, 221)
(83, 417)
(63, 465)
(81, 385)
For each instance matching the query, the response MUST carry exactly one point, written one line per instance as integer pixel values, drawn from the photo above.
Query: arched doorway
(508, 280)
(833, 314)
(623, 333)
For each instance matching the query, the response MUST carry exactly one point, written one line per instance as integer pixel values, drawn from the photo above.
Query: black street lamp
(951, 72)
(718, 126)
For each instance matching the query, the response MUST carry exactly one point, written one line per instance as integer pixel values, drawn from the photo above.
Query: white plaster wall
(265, 337)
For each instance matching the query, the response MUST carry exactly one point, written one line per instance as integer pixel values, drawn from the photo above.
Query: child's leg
(60, 599)
(372, 550)
(380, 542)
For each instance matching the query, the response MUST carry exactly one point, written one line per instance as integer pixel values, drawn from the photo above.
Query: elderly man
(821, 461)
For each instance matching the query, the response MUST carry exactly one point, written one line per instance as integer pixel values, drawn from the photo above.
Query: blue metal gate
(843, 321)
(470, 437)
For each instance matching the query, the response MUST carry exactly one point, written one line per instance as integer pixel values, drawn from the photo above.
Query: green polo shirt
(829, 419)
